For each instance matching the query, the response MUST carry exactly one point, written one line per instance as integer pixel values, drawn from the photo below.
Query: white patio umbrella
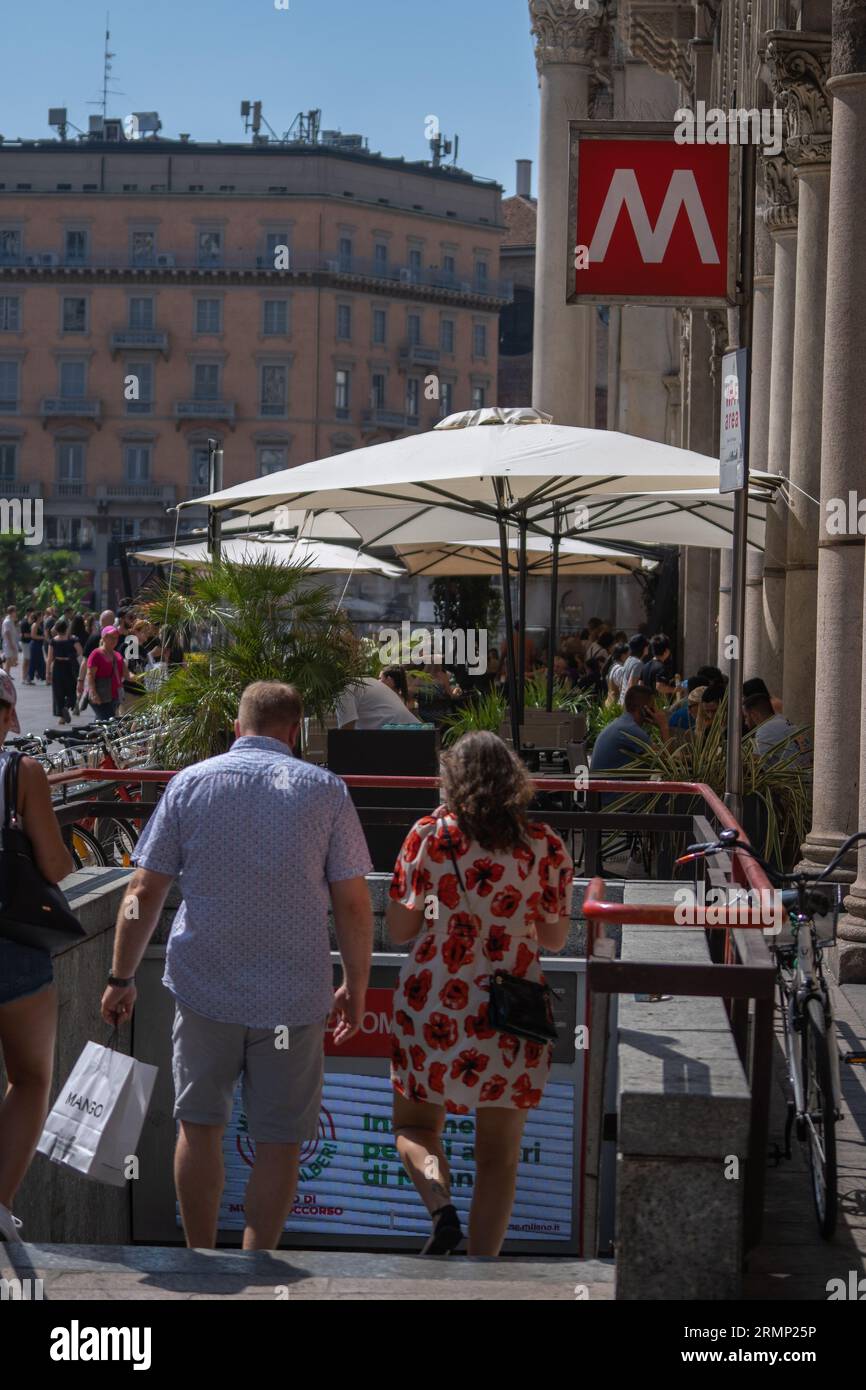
(482, 557)
(507, 467)
(318, 555)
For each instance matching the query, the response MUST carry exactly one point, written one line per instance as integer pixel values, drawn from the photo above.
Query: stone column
(754, 642)
(698, 591)
(563, 369)
(780, 218)
(726, 566)
(799, 64)
(837, 812)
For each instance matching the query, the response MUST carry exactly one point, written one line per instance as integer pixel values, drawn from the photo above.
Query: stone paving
(95, 1273)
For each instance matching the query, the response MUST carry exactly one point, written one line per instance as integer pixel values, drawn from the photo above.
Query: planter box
(548, 730)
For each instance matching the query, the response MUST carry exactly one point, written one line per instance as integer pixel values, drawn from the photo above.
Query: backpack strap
(12, 759)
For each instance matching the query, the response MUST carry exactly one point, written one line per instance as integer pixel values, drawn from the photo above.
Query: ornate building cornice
(780, 189)
(659, 32)
(563, 34)
(799, 66)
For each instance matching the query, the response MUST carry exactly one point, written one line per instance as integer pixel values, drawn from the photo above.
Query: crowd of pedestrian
(105, 660)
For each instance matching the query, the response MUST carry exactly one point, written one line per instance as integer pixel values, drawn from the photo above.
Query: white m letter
(653, 242)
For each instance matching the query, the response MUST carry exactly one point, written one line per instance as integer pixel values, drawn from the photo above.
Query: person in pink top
(106, 672)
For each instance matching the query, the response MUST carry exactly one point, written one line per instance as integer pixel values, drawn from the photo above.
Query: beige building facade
(290, 301)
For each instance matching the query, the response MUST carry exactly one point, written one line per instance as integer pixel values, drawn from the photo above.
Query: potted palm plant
(269, 621)
(776, 790)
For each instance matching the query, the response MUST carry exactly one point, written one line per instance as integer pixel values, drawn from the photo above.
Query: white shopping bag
(97, 1118)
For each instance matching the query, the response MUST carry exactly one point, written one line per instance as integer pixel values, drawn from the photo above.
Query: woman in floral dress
(516, 897)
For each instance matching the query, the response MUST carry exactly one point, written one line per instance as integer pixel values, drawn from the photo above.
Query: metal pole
(214, 484)
(521, 591)
(734, 770)
(123, 555)
(506, 605)
(554, 583)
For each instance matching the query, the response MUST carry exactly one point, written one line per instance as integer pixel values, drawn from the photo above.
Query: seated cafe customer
(624, 738)
(775, 734)
(371, 704)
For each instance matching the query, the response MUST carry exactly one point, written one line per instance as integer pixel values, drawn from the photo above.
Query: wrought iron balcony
(379, 419)
(140, 340)
(136, 492)
(79, 407)
(204, 410)
(303, 264)
(416, 355)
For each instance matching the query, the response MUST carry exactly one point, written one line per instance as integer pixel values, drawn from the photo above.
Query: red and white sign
(651, 221)
(373, 1038)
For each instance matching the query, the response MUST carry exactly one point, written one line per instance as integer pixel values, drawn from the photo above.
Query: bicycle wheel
(117, 841)
(820, 1116)
(86, 851)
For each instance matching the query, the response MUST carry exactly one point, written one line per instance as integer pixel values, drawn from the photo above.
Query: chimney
(524, 178)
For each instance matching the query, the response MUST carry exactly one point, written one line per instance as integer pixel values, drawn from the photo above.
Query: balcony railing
(76, 406)
(140, 339)
(302, 263)
(76, 488)
(136, 492)
(204, 410)
(13, 487)
(415, 355)
(380, 419)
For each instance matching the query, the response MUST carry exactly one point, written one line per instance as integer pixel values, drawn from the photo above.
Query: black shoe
(447, 1232)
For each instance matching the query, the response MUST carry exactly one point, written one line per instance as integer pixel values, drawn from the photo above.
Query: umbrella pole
(521, 589)
(509, 625)
(554, 585)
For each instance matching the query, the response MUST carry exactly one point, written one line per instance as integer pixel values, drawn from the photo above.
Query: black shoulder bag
(33, 912)
(521, 1007)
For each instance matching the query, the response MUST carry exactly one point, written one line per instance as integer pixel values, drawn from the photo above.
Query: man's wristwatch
(121, 983)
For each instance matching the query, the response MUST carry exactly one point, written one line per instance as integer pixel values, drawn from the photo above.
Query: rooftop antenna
(251, 114)
(106, 74)
(439, 146)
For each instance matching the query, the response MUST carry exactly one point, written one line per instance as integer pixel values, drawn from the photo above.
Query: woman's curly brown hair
(488, 789)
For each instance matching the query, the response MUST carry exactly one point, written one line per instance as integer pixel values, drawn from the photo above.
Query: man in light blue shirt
(261, 844)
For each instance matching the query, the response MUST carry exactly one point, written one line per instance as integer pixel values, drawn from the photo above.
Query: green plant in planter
(565, 697)
(272, 623)
(485, 710)
(779, 785)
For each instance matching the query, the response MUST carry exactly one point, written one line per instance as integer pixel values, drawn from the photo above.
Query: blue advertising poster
(352, 1182)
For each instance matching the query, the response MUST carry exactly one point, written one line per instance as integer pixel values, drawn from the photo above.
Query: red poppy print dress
(443, 1049)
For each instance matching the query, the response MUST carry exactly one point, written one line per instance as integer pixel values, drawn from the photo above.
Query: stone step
(130, 1273)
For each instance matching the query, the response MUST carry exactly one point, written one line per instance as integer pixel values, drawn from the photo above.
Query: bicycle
(86, 851)
(95, 747)
(809, 1033)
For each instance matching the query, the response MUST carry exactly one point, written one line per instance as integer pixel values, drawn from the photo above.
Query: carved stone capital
(780, 191)
(685, 318)
(563, 33)
(659, 32)
(799, 66)
(717, 322)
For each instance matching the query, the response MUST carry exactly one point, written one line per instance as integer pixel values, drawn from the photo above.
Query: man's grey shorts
(282, 1086)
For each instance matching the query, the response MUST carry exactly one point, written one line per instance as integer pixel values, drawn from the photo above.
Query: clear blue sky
(377, 67)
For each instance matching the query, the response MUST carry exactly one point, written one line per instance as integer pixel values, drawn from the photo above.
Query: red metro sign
(650, 221)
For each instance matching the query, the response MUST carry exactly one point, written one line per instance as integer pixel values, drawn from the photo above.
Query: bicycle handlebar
(731, 841)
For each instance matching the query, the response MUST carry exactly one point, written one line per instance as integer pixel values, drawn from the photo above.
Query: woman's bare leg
(498, 1139)
(27, 1031)
(418, 1137)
